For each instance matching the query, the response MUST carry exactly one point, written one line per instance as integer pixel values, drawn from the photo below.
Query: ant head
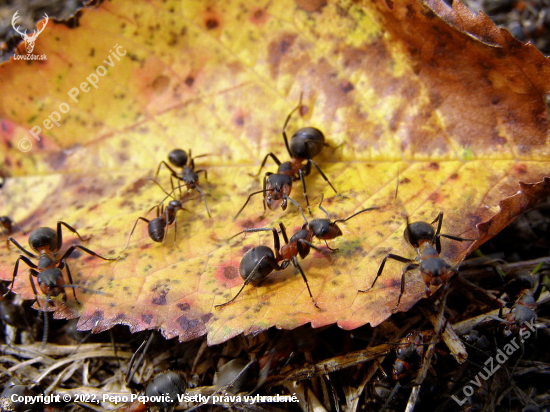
(178, 157)
(43, 238)
(49, 280)
(307, 143)
(419, 232)
(5, 220)
(175, 204)
(324, 229)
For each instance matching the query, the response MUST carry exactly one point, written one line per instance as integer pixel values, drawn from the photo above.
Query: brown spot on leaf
(183, 306)
(159, 300)
(211, 23)
(189, 80)
(147, 318)
(258, 16)
(230, 272)
(277, 49)
(160, 84)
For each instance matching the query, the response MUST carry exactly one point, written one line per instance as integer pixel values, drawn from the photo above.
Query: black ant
(304, 145)
(434, 270)
(7, 225)
(47, 243)
(188, 174)
(158, 226)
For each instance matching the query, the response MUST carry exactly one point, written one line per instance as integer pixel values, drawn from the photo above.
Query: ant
(7, 225)
(47, 243)
(258, 262)
(522, 311)
(427, 242)
(304, 145)
(157, 227)
(408, 356)
(188, 174)
(324, 229)
(165, 388)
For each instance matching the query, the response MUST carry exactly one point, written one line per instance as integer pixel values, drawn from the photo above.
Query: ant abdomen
(252, 258)
(178, 157)
(156, 229)
(418, 232)
(307, 143)
(43, 237)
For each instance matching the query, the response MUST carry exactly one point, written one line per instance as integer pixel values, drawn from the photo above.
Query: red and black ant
(324, 229)
(7, 225)
(408, 356)
(47, 243)
(304, 145)
(523, 302)
(433, 269)
(188, 174)
(258, 262)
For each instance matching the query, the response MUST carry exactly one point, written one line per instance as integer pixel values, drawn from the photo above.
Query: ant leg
(295, 263)
(134, 228)
(304, 189)
(264, 190)
(203, 171)
(322, 174)
(381, 268)
(16, 268)
(460, 239)
(331, 249)
(436, 239)
(273, 264)
(85, 249)
(21, 248)
(131, 369)
(204, 198)
(357, 213)
(174, 173)
(311, 245)
(247, 200)
(410, 266)
(62, 265)
(286, 124)
(32, 274)
(265, 160)
(60, 234)
(283, 232)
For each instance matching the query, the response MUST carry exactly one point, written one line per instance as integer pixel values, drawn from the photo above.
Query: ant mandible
(304, 145)
(258, 262)
(188, 174)
(427, 243)
(47, 243)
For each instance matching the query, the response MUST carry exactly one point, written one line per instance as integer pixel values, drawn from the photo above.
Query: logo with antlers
(29, 40)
